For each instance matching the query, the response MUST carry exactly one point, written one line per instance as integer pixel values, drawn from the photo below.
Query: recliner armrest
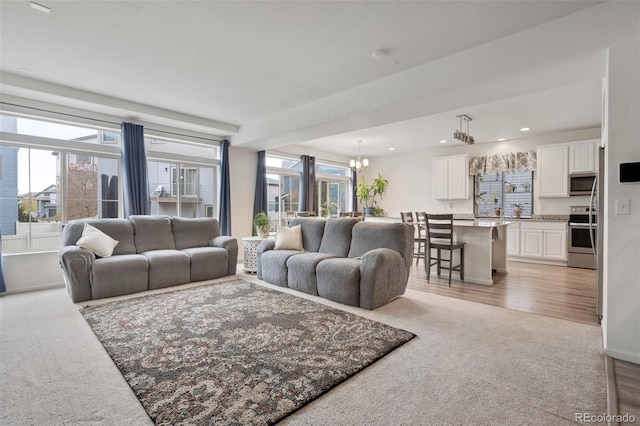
(230, 244)
(382, 275)
(266, 245)
(225, 242)
(76, 264)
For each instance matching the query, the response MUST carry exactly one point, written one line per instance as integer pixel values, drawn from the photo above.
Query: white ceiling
(243, 62)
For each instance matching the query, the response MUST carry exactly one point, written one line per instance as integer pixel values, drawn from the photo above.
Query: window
(46, 183)
(283, 187)
(333, 188)
(188, 181)
(58, 172)
(29, 207)
(283, 195)
(92, 187)
(506, 191)
(194, 196)
(108, 137)
(332, 197)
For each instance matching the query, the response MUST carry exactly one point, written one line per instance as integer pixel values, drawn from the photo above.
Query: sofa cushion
(207, 263)
(273, 264)
(118, 275)
(336, 239)
(167, 268)
(96, 241)
(301, 271)
(118, 229)
(339, 280)
(152, 233)
(312, 231)
(289, 238)
(194, 232)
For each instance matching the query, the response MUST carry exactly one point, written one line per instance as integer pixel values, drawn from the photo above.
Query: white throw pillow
(289, 238)
(97, 241)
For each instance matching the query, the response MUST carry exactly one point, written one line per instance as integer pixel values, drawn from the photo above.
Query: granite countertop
(470, 217)
(534, 218)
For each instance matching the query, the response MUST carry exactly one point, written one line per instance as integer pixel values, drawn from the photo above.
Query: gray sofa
(345, 260)
(153, 252)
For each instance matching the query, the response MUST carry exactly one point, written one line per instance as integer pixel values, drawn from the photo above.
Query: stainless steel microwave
(581, 183)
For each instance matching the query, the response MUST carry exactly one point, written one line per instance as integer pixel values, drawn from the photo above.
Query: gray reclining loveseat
(356, 263)
(152, 252)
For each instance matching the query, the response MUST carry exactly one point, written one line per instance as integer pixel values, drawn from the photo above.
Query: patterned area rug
(234, 352)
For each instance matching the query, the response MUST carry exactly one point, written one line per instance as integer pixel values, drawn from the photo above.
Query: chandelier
(359, 163)
(462, 136)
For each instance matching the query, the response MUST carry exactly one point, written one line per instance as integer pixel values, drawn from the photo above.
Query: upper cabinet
(451, 177)
(582, 157)
(552, 175)
(557, 162)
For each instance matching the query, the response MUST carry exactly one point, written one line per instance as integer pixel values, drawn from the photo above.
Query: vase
(262, 231)
(368, 211)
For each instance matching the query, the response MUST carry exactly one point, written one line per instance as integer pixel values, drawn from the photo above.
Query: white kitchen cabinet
(582, 157)
(555, 244)
(531, 242)
(542, 242)
(552, 175)
(451, 177)
(513, 239)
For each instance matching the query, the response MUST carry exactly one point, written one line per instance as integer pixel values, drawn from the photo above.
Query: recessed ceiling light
(40, 7)
(443, 141)
(525, 129)
(502, 139)
(392, 149)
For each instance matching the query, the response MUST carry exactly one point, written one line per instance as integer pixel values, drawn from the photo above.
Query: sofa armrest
(230, 244)
(383, 276)
(266, 245)
(76, 264)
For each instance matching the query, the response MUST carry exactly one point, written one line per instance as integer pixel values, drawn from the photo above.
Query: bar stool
(440, 237)
(421, 239)
(407, 217)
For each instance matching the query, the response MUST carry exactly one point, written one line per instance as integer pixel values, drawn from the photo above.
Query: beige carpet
(469, 364)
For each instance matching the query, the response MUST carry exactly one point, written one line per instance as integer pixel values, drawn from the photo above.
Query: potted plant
(496, 196)
(498, 211)
(367, 193)
(479, 199)
(261, 223)
(518, 206)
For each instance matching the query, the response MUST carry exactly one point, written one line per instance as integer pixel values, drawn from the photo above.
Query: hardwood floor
(555, 291)
(626, 389)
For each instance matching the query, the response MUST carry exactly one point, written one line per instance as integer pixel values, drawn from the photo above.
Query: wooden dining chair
(407, 217)
(421, 235)
(439, 238)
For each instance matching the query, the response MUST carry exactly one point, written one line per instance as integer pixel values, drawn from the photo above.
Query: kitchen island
(485, 247)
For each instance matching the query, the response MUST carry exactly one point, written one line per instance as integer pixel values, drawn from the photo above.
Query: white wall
(242, 176)
(411, 180)
(622, 254)
(33, 271)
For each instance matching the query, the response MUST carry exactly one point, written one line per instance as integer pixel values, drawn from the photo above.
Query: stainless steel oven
(583, 228)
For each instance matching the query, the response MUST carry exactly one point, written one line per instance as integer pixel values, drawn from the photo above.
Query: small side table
(250, 245)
